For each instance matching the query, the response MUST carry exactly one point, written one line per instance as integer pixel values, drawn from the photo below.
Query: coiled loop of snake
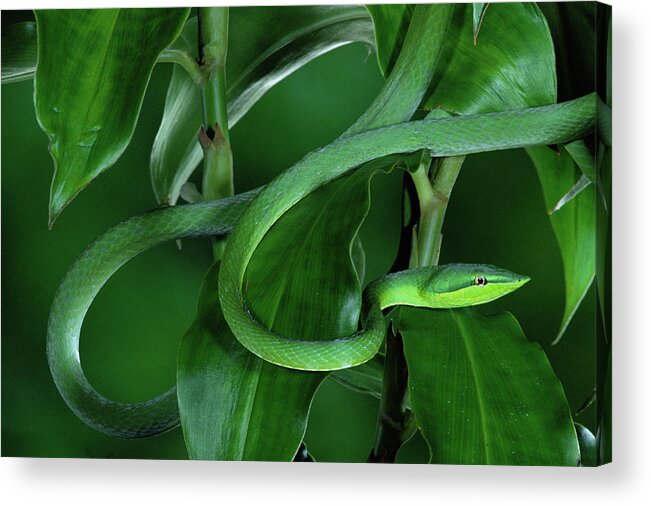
(254, 214)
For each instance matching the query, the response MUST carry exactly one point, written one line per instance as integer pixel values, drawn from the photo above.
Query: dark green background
(132, 331)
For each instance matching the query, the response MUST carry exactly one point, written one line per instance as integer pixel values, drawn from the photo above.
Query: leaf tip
(54, 210)
(60, 197)
(561, 332)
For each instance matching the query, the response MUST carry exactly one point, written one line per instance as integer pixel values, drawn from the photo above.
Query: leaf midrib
(480, 400)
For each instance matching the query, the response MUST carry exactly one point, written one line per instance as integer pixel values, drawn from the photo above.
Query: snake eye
(481, 281)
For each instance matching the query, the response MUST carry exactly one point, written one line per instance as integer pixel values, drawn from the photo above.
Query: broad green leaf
(305, 277)
(390, 22)
(91, 76)
(266, 44)
(233, 405)
(574, 225)
(301, 280)
(572, 26)
(512, 67)
(482, 393)
(588, 445)
(18, 52)
(478, 13)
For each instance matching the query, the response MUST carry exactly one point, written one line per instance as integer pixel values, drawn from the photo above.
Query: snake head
(460, 285)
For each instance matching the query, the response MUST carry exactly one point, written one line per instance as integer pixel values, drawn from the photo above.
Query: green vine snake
(382, 131)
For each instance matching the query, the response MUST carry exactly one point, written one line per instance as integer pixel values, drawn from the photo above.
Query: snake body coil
(255, 213)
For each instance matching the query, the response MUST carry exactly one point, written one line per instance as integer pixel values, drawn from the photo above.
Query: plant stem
(183, 59)
(394, 419)
(213, 48)
(396, 424)
(433, 200)
(214, 136)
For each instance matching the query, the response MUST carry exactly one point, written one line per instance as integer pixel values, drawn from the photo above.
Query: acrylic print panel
(321, 233)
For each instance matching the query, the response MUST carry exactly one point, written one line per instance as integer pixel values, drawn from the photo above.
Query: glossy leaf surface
(301, 280)
(233, 405)
(583, 158)
(18, 52)
(574, 224)
(482, 393)
(266, 44)
(390, 22)
(176, 151)
(578, 187)
(92, 73)
(511, 66)
(478, 11)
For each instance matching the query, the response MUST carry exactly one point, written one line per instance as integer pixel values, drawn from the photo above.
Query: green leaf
(390, 22)
(176, 151)
(305, 277)
(233, 405)
(18, 52)
(301, 280)
(512, 67)
(578, 187)
(266, 44)
(482, 393)
(92, 73)
(228, 397)
(588, 445)
(583, 158)
(478, 13)
(574, 225)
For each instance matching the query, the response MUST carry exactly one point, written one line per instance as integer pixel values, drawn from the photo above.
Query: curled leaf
(91, 76)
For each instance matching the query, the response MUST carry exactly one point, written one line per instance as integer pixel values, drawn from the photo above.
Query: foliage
(474, 387)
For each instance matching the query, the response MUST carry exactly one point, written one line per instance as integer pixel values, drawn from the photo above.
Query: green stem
(433, 196)
(396, 424)
(183, 59)
(214, 136)
(213, 48)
